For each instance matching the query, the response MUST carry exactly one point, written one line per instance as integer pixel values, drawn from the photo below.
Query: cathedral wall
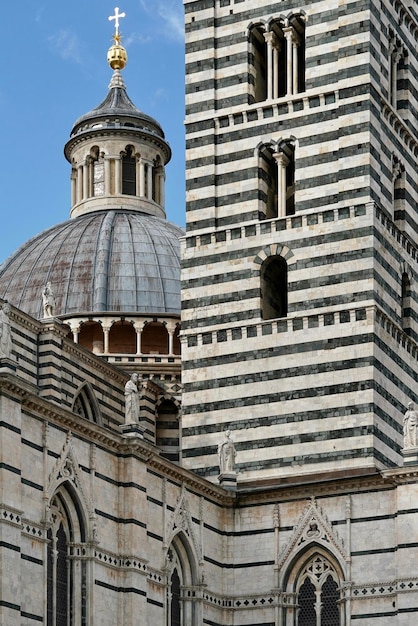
(137, 517)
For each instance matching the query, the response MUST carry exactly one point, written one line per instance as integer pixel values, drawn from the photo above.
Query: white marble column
(171, 329)
(138, 329)
(138, 175)
(107, 176)
(141, 178)
(161, 180)
(282, 162)
(149, 181)
(288, 33)
(118, 176)
(85, 180)
(276, 51)
(75, 329)
(79, 183)
(73, 187)
(269, 37)
(106, 332)
(295, 64)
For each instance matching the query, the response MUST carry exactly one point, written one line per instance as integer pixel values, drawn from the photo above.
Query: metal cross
(116, 18)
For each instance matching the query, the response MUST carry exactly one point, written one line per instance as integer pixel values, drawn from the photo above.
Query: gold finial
(116, 55)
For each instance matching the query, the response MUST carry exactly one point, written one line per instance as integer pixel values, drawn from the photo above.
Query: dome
(118, 113)
(106, 261)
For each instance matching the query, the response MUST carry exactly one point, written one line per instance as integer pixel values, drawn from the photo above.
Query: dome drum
(117, 173)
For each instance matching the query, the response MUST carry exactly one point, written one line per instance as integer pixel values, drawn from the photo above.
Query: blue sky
(54, 70)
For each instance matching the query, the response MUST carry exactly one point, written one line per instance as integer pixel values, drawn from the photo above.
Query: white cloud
(135, 38)
(170, 12)
(67, 45)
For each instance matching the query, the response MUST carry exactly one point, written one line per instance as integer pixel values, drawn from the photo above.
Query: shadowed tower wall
(300, 261)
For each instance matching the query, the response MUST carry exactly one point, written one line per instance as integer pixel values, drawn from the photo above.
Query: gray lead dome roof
(119, 261)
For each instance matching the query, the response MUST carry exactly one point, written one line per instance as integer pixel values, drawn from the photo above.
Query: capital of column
(106, 326)
(270, 38)
(289, 33)
(281, 159)
(75, 326)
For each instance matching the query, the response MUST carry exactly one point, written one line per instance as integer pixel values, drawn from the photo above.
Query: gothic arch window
(182, 608)
(276, 174)
(274, 288)
(314, 582)
(318, 593)
(66, 575)
(129, 172)
(277, 58)
(85, 405)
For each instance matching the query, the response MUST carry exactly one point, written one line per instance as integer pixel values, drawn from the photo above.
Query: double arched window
(315, 586)
(318, 595)
(276, 173)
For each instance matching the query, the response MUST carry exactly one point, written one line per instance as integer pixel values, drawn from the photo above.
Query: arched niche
(122, 338)
(91, 336)
(154, 338)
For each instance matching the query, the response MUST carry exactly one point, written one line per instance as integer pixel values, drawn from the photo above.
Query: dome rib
(102, 264)
(74, 266)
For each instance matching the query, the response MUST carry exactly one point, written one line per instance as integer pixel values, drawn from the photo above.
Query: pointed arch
(315, 581)
(66, 551)
(182, 582)
(85, 404)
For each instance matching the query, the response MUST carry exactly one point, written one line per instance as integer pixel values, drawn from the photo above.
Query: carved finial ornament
(116, 17)
(116, 55)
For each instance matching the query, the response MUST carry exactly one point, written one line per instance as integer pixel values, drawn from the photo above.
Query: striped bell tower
(300, 256)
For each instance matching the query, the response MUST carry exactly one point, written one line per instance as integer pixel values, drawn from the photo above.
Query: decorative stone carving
(132, 400)
(313, 526)
(227, 454)
(5, 332)
(48, 300)
(410, 422)
(67, 470)
(181, 521)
